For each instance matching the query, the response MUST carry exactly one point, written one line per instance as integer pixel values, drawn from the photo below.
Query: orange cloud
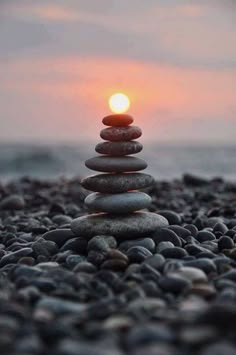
(74, 91)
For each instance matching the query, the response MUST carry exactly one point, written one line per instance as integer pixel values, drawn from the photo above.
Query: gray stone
(59, 306)
(193, 274)
(12, 202)
(59, 236)
(119, 148)
(118, 203)
(118, 120)
(115, 164)
(117, 134)
(115, 183)
(127, 226)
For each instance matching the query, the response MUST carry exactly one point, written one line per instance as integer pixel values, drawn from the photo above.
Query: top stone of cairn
(118, 120)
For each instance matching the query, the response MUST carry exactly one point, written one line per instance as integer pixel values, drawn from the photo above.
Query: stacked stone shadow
(115, 200)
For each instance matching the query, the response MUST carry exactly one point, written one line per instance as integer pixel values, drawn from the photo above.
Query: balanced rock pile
(115, 198)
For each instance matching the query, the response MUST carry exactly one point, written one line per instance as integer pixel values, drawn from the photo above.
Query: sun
(119, 103)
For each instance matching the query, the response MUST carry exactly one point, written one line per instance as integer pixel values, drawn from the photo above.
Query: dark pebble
(174, 284)
(180, 231)
(204, 236)
(147, 243)
(204, 264)
(220, 227)
(102, 243)
(138, 254)
(171, 216)
(12, 202)
(225, 242)
(175, 252)
(59, 236)
(166, 235)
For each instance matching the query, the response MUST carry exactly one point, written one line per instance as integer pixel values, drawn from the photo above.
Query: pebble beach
(170, 292)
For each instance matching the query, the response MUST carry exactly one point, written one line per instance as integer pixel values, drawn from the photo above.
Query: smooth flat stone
(117, 134)
(128, 226)
(115, 164)
(119, 148)
(118, 120)
(118, 203)
(115, 183)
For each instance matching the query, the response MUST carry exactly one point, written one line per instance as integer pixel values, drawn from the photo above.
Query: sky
(61, 60)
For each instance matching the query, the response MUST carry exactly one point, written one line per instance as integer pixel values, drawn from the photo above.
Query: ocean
(165, 161)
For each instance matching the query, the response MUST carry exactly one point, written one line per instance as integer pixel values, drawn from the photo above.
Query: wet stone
(117, 134)
(119, 148)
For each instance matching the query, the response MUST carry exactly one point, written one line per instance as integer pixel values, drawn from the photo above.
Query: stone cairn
(115, 199)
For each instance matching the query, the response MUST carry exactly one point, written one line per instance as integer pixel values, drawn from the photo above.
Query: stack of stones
(115, 199)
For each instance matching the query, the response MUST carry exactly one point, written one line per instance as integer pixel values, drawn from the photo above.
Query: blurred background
(61, 60)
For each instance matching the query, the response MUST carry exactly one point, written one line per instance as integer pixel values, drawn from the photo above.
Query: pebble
(12, 202)
(15, 256)
(114, 264)
(171, 216)
(60, 306)
(174, 284)
(166, 235)
(116, 183)
(204, 264)
(59, 236)
(225, 242)
(119, 148)
(147, 243)
(174, 252)
(125, 202)
(102, 243)
(115, 164)
(219, 348)
(134, 225)
(118, 120)
(137, 254)
(180, 231)
(118, 134)
(204, 236)
(193, 274)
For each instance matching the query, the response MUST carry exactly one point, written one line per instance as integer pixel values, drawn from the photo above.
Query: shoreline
(172, 292)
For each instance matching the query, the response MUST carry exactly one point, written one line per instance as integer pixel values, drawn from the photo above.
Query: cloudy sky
(60, 61)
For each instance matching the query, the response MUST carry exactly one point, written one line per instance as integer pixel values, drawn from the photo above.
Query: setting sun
(119, 103)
